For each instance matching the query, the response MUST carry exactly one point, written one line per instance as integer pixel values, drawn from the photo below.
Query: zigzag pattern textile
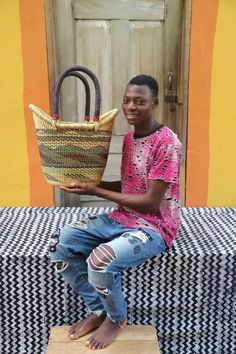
(187, 293)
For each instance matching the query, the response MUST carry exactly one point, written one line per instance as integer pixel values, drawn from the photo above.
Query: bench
(187, 293)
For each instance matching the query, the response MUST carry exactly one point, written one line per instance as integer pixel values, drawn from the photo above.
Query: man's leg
(104, 265)
(69, 250)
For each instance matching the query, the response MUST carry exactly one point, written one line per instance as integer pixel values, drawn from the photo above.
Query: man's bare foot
(83, 327)
(105, 334)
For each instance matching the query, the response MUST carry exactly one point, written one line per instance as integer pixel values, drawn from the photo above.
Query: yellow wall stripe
(222, 165)
(14, 177)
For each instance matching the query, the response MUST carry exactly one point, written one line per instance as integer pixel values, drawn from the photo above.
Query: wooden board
(131, 340)
(119, 9)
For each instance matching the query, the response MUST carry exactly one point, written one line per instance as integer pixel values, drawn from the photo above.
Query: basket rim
(104, 119)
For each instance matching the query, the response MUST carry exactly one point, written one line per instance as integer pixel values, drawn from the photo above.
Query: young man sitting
(91, 254)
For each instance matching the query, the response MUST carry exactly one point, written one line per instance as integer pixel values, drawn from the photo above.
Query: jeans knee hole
(103, 291)
(61, 266)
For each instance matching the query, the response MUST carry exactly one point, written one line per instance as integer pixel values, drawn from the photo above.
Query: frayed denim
(101, 288)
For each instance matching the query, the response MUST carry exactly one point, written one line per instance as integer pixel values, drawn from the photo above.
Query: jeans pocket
(80, 224)
(137, 236)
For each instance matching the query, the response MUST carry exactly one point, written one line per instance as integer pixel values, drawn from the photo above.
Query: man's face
(139, 104)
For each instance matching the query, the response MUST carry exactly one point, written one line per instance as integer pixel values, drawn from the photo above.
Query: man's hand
(80, 188)
(146, 203)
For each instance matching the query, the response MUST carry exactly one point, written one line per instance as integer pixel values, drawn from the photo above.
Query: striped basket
(71, 151)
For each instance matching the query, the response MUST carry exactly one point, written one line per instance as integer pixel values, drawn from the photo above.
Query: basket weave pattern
(70, 155)
(71, 151)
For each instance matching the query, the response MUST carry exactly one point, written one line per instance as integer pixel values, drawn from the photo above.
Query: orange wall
(211, 152)
(36, 90)
(24, 80)
(203, 26)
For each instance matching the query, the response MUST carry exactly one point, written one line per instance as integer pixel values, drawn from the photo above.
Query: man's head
(146, 80)
(140, 100)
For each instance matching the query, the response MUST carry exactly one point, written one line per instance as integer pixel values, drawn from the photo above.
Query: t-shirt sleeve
(124, 144)
(124, 153)
(166, 162)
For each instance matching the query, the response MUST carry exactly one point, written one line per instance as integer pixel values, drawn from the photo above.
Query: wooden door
(117, 40)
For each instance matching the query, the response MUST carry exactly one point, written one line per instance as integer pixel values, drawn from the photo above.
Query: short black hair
(146, 80)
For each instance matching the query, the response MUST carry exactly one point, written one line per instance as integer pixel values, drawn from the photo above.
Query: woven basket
(71, 151)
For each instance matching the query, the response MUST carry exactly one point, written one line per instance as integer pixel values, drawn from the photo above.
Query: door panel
(119, 10)
(146, 43)
(96, 46)
(93, 50)
(118, 40)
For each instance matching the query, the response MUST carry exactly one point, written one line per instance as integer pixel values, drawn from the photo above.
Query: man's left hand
(80, 188)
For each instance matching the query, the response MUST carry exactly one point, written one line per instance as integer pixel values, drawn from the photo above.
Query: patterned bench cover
(187, 293)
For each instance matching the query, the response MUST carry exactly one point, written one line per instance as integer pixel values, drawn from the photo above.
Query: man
(92, 253)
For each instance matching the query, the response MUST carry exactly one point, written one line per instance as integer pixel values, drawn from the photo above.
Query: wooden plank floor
(131, 340)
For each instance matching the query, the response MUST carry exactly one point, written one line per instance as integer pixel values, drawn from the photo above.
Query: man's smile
(131, 115)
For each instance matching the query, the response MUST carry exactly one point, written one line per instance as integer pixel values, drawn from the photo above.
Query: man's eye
(125, 101)
(140, 102)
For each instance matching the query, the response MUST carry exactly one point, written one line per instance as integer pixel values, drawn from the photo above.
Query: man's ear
(156, 101)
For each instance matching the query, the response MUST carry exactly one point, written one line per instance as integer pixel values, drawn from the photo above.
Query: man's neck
(147, 129)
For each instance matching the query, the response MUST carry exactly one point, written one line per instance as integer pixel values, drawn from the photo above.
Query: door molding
(183, 88)
(56, 66)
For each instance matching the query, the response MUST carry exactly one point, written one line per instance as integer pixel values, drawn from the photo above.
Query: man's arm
(146, 203)
(112, 186)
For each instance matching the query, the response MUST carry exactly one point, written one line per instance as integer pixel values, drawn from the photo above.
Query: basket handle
(87, 91)
(69, 72)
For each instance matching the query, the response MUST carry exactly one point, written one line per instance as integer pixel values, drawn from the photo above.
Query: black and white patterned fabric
(188, 293)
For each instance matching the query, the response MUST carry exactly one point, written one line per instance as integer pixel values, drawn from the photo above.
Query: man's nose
(131, 105)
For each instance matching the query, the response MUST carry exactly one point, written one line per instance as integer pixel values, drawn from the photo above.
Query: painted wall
(211, 154)
(24, 80)
(211, 151)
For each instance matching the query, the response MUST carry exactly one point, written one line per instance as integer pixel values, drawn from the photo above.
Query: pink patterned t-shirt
(156, 157)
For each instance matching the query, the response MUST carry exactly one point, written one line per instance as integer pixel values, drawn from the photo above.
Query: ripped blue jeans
(92, 253)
